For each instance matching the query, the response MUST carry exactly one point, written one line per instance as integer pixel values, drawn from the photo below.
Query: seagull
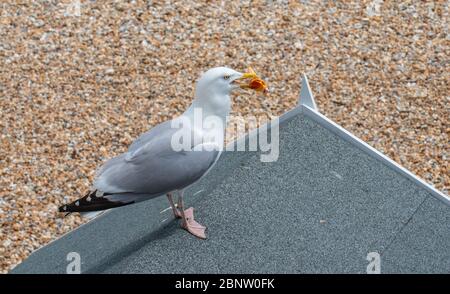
(152, 167)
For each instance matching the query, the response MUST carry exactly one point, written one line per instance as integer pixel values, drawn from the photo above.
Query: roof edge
(349, 137)
(306, 96)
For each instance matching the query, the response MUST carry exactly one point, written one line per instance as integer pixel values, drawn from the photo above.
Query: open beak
(250, 80)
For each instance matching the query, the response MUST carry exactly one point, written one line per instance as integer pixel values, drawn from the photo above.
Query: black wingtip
(90, 202)
(72, 207)
(62, 208)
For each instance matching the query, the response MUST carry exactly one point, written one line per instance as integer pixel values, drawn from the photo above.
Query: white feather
(92, 214)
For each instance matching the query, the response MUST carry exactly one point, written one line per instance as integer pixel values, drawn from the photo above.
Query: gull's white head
(212, 92)
(218, 81)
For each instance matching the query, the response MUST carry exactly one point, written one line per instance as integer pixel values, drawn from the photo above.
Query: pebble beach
(80, 80)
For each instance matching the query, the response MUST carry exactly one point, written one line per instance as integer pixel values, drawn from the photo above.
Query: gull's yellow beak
(250, 74)
(253, 82)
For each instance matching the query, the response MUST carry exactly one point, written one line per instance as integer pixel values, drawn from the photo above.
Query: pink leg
(176, 212)
(188, 223)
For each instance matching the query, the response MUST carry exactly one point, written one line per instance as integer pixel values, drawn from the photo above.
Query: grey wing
(143, 139)
(154, 168)
(149, 135)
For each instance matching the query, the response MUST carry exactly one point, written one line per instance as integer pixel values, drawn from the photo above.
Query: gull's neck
(207, 106)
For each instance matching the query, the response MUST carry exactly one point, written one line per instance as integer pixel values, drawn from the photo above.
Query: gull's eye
(226, 77)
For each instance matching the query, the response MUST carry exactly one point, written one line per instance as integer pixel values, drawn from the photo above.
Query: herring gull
(152, 167)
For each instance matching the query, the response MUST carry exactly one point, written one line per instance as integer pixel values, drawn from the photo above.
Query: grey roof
(325, 204)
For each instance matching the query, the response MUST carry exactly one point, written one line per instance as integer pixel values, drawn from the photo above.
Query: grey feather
(152, 167)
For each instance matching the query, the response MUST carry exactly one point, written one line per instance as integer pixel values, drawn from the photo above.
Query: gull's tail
(94, 202)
